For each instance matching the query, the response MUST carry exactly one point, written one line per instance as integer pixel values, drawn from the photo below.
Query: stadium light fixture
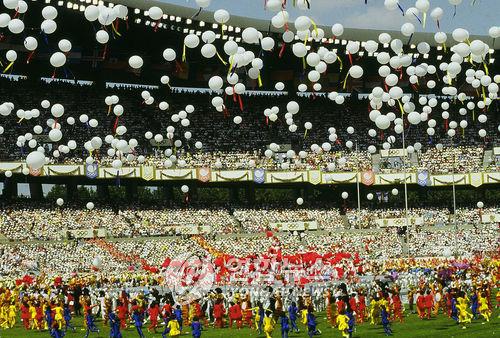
(238, 39)
(82, 8)
(426, 56)
(412, 46)
(185, 30)
(237, 30)
(172, 18)
(214, 25)
(439, 57)
(202, 23)
(439, 47)
(230, 28)
(492, 60)
(75, 7)
(178, 19)
(191, 31)
(491, 51)
(189, 21)
(68, 4)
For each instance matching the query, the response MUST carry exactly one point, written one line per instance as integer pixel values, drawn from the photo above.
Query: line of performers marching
(343, 311)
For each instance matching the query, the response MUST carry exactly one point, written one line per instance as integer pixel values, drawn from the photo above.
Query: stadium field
(412, 327)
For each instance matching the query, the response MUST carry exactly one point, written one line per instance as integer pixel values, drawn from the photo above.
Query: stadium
(223, 168)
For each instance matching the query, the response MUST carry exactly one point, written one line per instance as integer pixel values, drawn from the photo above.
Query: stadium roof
(188, 11)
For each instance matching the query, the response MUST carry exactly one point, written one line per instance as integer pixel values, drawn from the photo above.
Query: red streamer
(282, 50)
(30, 56)
(105, 51)
(241, 102)
(350, 58)
(115, 125)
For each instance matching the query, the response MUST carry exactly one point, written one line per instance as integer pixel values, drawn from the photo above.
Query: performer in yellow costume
(464, 316)
(484, 309)
(342, 323)
(269, 324)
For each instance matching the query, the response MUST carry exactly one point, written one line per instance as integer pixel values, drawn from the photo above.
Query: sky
(477, 18)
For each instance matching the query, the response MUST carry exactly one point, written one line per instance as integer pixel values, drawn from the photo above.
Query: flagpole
(405, 153)
(357, 184)
(454, 195)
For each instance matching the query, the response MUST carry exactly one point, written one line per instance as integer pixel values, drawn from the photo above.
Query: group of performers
(124, 304)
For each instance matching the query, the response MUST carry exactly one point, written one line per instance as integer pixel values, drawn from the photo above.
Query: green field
(412, 327)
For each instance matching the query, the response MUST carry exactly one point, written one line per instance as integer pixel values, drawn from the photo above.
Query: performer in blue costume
(114, 326)
(137, 318)
(293, 311)
(284, 323)
(196, 328)
(67, 318)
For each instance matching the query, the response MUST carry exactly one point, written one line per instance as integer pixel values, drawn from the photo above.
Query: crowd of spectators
(255, 220)
(226, 145)
(34, 221)
(452, 159)
(80, 256)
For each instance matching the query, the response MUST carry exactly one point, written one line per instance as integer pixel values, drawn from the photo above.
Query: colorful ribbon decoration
(221, 59)
(314, 26)
(8, 67)
(30, 56)
(115, 30)
(282, 50)
(345, 80)
(197, 13)
(231, 60)
(340, 61)
(401, 107)
(184, 53)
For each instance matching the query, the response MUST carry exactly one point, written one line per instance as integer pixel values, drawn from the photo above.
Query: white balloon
(91, 13)
(35, 160)
(155, 13)
(102, 36)
(191, 41)
(64, 45)
(221, 16)
(135, 62)
(48, 26)
(30, 43)
(16, 26)
(55, 135)
(58, 59)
